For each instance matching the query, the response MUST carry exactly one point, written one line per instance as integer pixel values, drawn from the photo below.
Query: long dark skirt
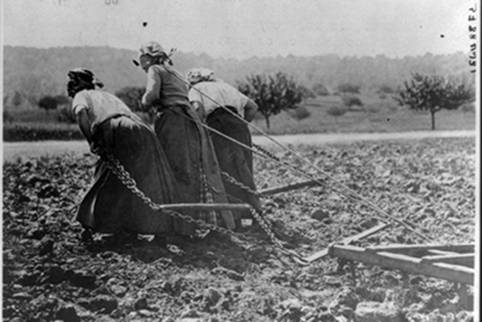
(237, 161)
(109, 206)
(191, 154)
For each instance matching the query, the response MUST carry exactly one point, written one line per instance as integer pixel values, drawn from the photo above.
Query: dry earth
(50, 275)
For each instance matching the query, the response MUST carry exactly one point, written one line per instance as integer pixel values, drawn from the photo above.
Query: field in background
(376, 115)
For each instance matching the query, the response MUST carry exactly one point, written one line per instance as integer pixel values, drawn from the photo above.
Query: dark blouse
(164, 87)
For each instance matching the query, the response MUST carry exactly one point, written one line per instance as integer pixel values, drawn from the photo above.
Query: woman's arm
(153, 88)
(250, 110)
(83, 121)
(199, 108)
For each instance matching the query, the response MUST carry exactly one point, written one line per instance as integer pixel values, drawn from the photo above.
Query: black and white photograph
(240, 160)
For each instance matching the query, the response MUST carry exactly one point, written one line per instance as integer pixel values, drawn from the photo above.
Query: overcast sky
(244, 28)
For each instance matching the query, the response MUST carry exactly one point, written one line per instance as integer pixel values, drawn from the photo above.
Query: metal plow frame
(450, 262)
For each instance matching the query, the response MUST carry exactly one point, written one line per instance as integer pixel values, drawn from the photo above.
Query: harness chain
(207, 197)
(263, 223)
(238, 184)
(266, 152)
(126, 179)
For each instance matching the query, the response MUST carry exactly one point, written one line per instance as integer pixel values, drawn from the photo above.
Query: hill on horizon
(31, 73)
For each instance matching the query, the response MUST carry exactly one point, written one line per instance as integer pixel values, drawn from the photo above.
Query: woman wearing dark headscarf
(111, 127)
(212, 98)
(179, 130)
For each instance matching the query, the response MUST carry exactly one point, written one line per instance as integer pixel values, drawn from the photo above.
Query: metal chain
(240, 185)
(124, 176)
(207, 196)
(277, 159)
(263, 223)
(266, 152)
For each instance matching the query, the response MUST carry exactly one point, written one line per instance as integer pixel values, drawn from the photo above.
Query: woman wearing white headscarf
(212, 98)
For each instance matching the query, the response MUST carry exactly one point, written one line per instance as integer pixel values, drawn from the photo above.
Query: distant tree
(306, 92)
(65, 113)
(272, 93)
(385, 89)
(7, 116)
(348, 88)
(351, 100)
(131, 96)
(48, 103)
(336, 112)
(433, 93)
(17, 99)
(299, 113)
(320, 89)
(62, 100)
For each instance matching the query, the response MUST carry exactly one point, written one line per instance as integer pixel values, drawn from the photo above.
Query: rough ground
(49, 274)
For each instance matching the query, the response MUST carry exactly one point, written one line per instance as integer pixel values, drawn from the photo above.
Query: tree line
(279, 92)
(38, 72)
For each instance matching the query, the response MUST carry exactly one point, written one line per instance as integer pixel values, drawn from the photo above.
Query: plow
(451, 262)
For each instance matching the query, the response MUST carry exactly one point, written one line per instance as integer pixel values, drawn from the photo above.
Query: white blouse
(219, 91)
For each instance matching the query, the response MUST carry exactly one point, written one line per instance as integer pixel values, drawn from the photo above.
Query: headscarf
(154, 49)
(196, 75)
(81, 78)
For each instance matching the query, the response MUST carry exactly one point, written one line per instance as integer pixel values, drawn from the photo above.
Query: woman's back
(100, 105)
(166, 85)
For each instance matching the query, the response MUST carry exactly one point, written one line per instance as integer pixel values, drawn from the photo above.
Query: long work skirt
(193, 160)
(108, 206)
(236, 160)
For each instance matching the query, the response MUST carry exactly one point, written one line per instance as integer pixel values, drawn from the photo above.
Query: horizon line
(251, 57)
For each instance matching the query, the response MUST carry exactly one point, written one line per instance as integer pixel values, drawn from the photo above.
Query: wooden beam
(422, 248)
(454, 273)
(205, 206)
(294, 186)
(457, 259)
(440, 252)
(324, 252)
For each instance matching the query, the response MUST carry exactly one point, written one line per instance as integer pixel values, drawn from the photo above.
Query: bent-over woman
(111, 127)
(217, 103)
(187, 144)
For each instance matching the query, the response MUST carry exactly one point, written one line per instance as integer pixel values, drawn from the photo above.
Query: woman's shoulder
(96, 96)
(159, 69)
(84, 92)
(82, 97)
(164, 70)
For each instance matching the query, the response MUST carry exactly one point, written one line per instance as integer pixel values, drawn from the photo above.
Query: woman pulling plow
(112, 128)
(221, 107)
(188, 146)
(118, 135)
